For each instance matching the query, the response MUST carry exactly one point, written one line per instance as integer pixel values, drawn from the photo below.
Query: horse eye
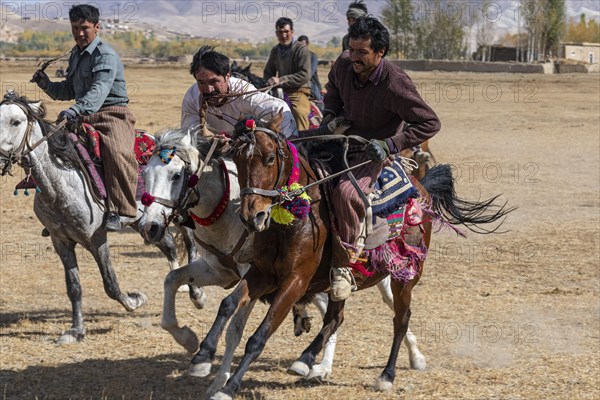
(15, 122)
(176, 176)
(270, 159)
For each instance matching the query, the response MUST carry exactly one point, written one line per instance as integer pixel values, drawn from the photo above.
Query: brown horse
(291, 261)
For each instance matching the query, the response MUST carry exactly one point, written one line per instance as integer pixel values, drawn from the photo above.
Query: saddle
(392, 241)
(87, 143)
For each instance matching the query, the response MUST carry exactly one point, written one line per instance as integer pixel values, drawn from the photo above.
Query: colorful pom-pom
(147, 199)
(251, 124)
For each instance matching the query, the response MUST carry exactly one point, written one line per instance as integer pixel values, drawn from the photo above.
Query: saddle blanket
(392, 189)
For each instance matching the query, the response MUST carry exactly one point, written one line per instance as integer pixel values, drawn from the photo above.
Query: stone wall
(475, 66)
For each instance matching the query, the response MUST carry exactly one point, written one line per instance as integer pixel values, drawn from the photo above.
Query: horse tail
(439, 182)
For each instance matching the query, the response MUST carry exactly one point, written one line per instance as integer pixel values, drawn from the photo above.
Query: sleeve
(270, 69)
(302, 75)
(333, 103)
(190, 106)
(420, 121)
(61, 90)
(314, 64)
(104, 72)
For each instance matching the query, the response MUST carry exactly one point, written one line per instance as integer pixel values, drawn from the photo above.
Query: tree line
(441, 31)
(449, 30)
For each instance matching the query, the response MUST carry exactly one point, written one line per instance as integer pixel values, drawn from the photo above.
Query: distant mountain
(255, 20)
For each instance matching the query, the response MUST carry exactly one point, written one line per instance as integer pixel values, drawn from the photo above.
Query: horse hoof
(218, 383)
(418, 362)
(69, 337)
(298, 368)
(318, 373)
(134, 300)
(198, 297)
(382, 385)
(200, 370)
(183, 289)
(221, 396)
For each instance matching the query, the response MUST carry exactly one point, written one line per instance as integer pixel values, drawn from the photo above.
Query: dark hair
(208, 58)
(359, 5)
(283, 21)
(84, 12)
(303, 37)
(371, 28)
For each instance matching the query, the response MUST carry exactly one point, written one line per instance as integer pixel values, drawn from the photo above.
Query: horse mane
(60, 144)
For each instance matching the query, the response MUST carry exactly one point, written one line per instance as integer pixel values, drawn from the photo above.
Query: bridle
(249, 140)
(19, 154)
(191, 178)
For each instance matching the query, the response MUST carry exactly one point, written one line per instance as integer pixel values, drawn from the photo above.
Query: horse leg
(402, 296)
(232, 340)
(131, 300)
(416, 358)
(333, 316)
(200, 273)
(66, 252)
(287, 295)
(202, 361)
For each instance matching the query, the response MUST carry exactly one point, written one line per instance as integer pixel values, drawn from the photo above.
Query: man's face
(84, 32)
(284, 35)
(364, 58)
(211, 83)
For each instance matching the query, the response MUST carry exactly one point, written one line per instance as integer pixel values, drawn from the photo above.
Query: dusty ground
(512, 316)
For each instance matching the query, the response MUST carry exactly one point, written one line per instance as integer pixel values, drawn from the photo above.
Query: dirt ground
(510, 316)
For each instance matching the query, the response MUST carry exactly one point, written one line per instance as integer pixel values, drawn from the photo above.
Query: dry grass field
(510, 316)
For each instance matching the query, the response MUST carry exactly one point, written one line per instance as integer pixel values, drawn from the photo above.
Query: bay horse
(63, 203)
(292, 260)
(219, 229)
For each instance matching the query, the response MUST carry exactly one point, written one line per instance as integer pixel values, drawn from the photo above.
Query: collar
(376, 75)
(295, 174)
(90, 47)
(221, 207)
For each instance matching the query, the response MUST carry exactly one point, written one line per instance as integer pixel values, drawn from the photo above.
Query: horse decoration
(210, 182)
(293, 260)
(314, 116)
(65, 202)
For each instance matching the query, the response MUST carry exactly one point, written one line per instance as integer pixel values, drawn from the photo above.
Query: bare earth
(511, 316)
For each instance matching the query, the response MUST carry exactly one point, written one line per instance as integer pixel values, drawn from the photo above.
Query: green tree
(397, 16)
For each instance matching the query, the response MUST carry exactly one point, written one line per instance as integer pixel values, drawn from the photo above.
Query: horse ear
(36, 107)
(246, 70)
(275, 123)
(234, 66)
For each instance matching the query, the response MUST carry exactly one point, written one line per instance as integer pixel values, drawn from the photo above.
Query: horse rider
(95, 80)
(289, 66)
(355, 10)
(315, 84)
(383, 106)
(212, 73)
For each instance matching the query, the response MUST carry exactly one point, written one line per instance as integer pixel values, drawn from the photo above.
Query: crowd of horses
(229, 192)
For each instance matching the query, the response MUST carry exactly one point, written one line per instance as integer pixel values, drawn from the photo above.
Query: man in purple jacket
(383, 106)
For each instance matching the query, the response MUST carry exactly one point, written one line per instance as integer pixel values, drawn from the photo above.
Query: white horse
(231, 251)
(64, 204)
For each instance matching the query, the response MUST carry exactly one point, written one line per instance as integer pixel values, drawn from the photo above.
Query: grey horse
(64, 204)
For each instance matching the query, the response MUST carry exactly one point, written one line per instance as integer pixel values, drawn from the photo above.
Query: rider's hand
(274, 80)
(68, 114)
(377, 150)
(336, 126)
(41, 79)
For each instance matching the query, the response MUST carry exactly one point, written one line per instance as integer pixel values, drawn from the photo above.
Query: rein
(290, 195)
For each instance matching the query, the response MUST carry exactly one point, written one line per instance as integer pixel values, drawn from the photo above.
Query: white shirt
(224, 118)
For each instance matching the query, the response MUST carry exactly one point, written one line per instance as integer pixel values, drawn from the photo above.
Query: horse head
(169, 180)
(263, 161)
(18, 116)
